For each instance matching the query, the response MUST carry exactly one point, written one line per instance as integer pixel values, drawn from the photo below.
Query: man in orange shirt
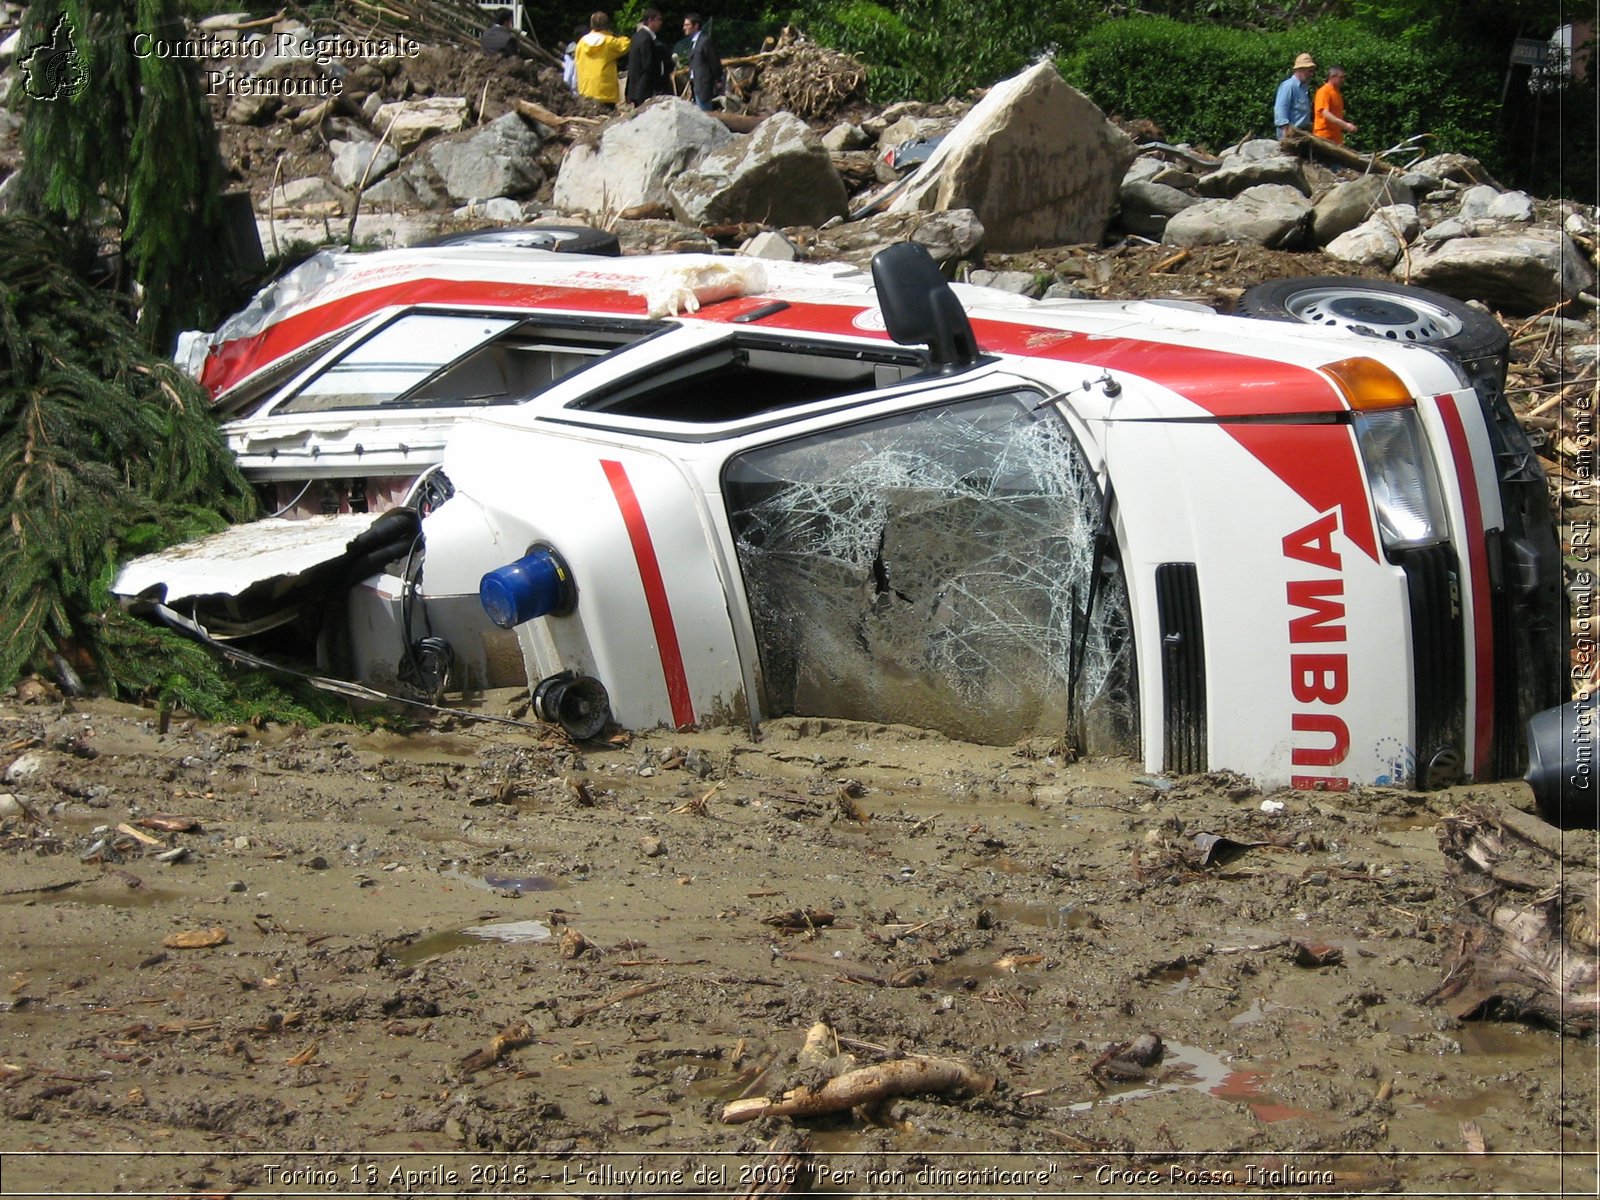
(1328, 109)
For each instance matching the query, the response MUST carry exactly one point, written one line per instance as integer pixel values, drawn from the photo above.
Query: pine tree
(123, 145)
(105, 451)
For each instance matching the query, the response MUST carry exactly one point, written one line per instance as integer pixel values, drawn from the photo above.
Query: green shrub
(1214, 86)
(934, 49)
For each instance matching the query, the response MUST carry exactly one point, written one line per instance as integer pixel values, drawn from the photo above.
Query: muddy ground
(393, 897)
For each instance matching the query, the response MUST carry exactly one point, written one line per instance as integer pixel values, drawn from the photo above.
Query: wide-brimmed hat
(1305, 61)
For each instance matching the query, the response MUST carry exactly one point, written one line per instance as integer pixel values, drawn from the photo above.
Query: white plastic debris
(1272, 807)
(685, 288)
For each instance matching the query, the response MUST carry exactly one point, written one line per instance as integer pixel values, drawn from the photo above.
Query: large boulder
(1273, 214)
(634, 160)
(1344, 206)
(1379, 240)
(779, 174)
(1518, 272)
(1035, 159)
(411, 122)
(1147, 207)
(500, 159)
(1238, 173)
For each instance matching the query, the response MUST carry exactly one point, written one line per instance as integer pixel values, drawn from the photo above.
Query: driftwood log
(1528, 946)
(1311, 146)
(864, 1086)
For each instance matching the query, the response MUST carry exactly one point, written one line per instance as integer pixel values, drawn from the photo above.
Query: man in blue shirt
(1291, 108)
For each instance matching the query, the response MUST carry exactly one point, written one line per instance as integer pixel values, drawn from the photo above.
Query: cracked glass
(930, 569)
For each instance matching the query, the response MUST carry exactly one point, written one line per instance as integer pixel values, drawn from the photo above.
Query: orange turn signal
(1368, 385)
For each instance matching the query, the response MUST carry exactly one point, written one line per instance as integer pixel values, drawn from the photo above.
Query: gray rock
(1578, 224)
(1256, 149)
(1148, 206)
(1520, 273)
(770, 244)
(1176, 177)
(1443, 231)
(1018, 283)
(845, 136)
(499, 159)
(253, 110)
(1146, 166)
(499, 208)
(1378, 241)
(950, 235)
(1035, 159)
(1238, 174)
(1511, 206)
(351, 162)
(1476, 201)
(415, 185)
(10, 189)
(1348, 204)
(1273, 215)
(778, 175)
(411, 122)
(310, 193)
(634, 160)
(1454, 168)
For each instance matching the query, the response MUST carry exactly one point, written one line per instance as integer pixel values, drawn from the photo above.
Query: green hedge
(1214, 86)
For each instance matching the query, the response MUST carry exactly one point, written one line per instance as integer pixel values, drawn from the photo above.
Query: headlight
(1405, 491)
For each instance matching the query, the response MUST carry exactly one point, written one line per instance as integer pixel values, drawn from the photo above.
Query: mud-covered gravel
(996, 906)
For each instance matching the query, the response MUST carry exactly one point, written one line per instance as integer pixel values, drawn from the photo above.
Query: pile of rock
(1443, 223)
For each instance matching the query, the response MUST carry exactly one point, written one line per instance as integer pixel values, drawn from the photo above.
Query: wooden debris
(864, 1086)
(588, 1010)
(139, 835)
(169, 823)
(567, 125)
(513, 1037)
(1316, 954)
(574, 943)
(1128, 1061)
(196, 939)
(1527, 946)
(306, 1057)
(799, 920)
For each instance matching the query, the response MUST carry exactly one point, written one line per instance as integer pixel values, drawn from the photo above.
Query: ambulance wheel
(1392, 311)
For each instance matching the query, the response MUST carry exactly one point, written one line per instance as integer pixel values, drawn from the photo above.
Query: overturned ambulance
(1314, 549)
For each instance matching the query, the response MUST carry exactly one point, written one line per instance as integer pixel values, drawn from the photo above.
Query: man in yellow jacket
(597, 55)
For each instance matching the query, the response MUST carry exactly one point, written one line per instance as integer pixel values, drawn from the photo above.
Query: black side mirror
(919, 308)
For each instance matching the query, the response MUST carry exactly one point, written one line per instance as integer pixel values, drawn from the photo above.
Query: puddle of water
(114, 895)
(510, 931)
(521, 884)
(1259, 1010)
(1191, 1068)
(1473, 1105)
(1410, 823)
(431, 945)
(1045, 916)
(421, 748)
(1176, 980)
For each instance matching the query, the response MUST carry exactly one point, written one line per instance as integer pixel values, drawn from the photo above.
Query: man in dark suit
(649, 60)
(705, 68)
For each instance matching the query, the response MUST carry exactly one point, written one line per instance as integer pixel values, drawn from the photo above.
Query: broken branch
(866, 1086)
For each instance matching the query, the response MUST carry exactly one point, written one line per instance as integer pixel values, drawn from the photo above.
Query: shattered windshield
(925, 569)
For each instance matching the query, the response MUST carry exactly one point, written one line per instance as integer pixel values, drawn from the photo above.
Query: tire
(1392, 311)
(567, 239)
